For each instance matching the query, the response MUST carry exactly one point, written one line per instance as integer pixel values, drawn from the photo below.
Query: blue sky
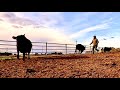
(62, 27)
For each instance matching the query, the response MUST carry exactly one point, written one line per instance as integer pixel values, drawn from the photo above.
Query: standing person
(95, 44)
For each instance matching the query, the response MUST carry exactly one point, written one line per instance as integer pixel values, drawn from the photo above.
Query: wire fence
(41, 47)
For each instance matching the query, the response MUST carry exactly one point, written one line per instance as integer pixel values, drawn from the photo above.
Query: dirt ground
(100, 65)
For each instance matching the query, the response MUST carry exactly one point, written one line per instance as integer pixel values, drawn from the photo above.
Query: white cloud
(89, 29)
(108, 20)
(80, 17)
(50, 34)
(13, 19)
(41, 34)
(46, 19)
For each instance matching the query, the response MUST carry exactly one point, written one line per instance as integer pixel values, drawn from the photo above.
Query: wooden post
(6, 49)
(42, 50)
(66, 48)
(46, 48)
(76, 42)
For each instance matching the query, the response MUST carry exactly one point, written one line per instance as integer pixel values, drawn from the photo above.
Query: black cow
(106, 49)
(80, 47)
(24, 45)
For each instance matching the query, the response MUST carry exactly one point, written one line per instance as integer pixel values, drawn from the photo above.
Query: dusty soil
(101, 65)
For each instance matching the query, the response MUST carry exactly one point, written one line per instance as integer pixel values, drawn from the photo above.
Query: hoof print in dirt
(106, 64)
(30, 71)
(113, 64)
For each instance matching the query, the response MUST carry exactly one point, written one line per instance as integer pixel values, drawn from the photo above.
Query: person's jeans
(94, 48)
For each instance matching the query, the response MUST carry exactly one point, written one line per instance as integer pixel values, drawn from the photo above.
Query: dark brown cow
(106, 49)
(24, 45)
(80, 47)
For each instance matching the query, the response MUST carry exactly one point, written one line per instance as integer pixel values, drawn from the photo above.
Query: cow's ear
(14, 37)
(24, 34)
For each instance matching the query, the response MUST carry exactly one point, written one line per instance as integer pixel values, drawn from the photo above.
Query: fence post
(66, 48)
(42, 50)
(46, 48)
(76, 42)
(6, 49)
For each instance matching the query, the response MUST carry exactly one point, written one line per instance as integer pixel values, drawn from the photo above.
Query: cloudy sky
(62, 27)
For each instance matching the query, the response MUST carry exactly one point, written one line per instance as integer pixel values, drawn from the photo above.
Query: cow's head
(19, 36)
(85, 47)
(14, 37)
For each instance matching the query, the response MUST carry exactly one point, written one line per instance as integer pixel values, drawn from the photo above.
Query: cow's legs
(96, 48)
(28, 55)
(75, 50)
(81, 51)
(93, 49)
(17, 54)
(23, 56)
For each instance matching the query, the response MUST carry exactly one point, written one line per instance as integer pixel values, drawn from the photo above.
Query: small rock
(114, 64)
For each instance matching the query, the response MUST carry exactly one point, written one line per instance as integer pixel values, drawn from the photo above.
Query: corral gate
(41, 47)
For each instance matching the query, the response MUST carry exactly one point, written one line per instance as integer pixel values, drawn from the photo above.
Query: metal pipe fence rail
(41, 47)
